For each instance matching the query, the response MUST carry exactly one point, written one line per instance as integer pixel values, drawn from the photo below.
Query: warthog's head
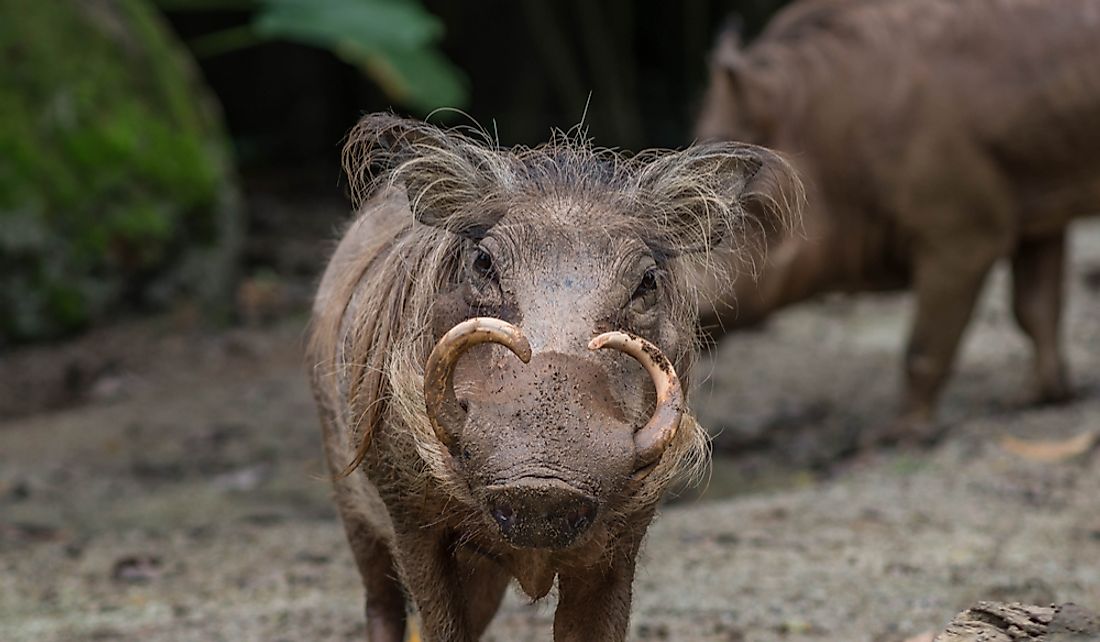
(560, 328)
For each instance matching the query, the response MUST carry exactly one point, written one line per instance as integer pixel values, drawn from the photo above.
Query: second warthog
(456, 344)
(935, 137)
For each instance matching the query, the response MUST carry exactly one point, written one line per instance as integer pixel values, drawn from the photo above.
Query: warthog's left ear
(446, 174)
(716, 191)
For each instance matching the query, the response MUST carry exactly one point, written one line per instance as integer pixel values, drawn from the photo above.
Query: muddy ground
(180, 494)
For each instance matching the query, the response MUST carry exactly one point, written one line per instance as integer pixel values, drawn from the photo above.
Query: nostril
(503, 516)
(579, 518)
(465, 405)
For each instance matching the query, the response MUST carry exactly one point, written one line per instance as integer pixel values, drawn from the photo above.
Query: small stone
(137, 569)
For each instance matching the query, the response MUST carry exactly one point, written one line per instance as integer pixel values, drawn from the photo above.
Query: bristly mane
(372, 331)
(683, 202)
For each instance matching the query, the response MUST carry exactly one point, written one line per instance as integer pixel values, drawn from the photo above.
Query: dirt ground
(180, 494)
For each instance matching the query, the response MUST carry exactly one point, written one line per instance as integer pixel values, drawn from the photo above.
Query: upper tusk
(439, 393)
(652, 438)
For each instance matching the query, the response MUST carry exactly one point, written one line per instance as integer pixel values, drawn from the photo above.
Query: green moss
(113, 166)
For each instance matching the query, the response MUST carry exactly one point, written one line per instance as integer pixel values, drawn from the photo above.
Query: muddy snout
(447, 413)
(540, 513)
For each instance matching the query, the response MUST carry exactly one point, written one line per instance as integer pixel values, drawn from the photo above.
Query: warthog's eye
(483, 292)
(483, 264)
(645, 294)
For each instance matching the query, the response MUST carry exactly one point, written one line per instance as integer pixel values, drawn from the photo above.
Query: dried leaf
(1050, 451)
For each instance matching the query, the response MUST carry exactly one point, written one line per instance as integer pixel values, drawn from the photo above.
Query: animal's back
(1020, 79)
(936, 138)
(367, 241)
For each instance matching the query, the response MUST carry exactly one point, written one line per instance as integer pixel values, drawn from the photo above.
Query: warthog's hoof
(907, 430)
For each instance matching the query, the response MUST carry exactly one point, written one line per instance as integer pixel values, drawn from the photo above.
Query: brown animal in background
(469, 464)
(935, 137)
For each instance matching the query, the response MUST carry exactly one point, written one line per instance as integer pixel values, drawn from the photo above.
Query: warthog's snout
(540, 513)
(445, 411)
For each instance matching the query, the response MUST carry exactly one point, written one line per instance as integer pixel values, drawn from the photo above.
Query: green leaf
(204, 5)
(420, 78)
(391, 41)
(369, 24)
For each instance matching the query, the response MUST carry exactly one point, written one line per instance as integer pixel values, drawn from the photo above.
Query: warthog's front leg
(432, 580)
(385, 603)
(594, 604)
(483, 585)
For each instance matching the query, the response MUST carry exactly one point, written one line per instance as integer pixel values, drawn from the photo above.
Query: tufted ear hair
(716, 191)
(446, 174)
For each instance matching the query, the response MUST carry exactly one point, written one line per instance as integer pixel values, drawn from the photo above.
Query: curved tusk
(439, 392)
(651, 439)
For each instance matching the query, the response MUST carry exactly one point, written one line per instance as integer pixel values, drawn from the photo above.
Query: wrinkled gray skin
(565, 251)
(935, 138)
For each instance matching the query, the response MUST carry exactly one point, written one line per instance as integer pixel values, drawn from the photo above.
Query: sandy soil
(182, 497)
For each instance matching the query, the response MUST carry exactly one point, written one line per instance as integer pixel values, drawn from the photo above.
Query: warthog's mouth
(444, 409)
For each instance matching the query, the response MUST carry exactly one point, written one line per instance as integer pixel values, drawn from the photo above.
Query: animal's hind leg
(1038, 271)
(385, 607)
(947, 282)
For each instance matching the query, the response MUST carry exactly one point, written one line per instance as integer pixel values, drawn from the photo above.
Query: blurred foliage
(635, 69)
(115, 184)
(391, 41)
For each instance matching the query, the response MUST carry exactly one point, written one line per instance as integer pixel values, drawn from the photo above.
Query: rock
(137, 569)
(1016, 622)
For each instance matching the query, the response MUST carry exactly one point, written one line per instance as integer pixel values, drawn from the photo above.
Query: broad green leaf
(391, 41)
(421, 78)
(370, 24)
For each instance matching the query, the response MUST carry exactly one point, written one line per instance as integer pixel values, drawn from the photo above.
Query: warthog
(477, 431)
(935, 137)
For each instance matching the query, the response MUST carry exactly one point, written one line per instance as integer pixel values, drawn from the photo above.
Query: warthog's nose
(540, 513)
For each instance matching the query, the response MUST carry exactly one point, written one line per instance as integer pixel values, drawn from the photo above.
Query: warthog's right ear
(445, 174)
(713, 191)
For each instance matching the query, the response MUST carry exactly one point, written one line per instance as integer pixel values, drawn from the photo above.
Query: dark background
(634, 71)
(530, 66)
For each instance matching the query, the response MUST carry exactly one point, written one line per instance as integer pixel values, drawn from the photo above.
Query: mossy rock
(116, 185)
